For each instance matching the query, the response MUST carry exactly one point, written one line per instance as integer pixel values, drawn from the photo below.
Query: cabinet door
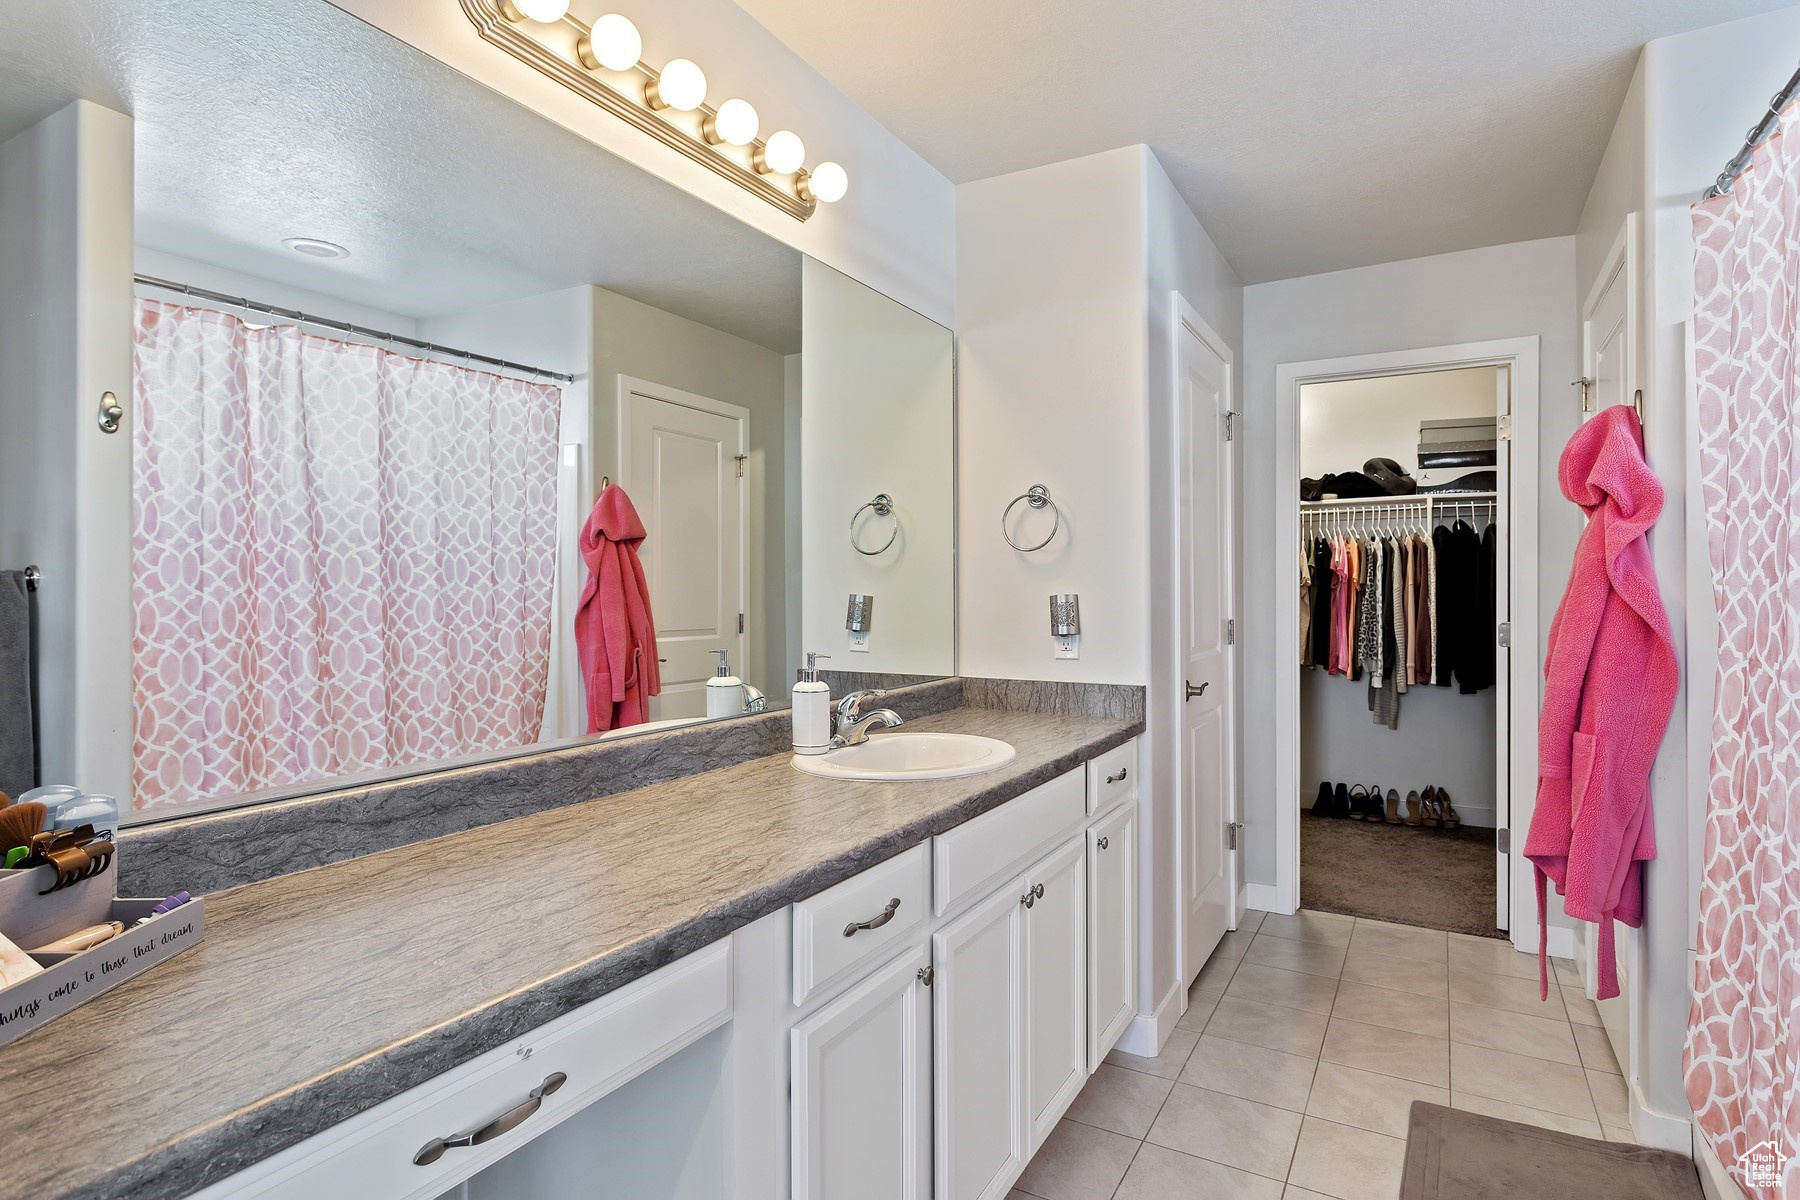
(1055, 985)
(978, 1037)
(862, 1090)
(1111, 930)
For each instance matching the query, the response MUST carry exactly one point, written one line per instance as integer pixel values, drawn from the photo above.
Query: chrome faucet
(853, 724)
(754, 700)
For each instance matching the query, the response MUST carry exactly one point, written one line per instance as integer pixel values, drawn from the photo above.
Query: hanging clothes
(1306, 605)
(1609, 686)
(615, 634)
(1321, 603)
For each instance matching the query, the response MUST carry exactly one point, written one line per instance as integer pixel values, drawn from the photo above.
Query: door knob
(1193, 691)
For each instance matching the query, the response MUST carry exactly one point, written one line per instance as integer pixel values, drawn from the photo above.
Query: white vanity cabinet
(1112, 928)
(1056, 1033)
(861, 1083)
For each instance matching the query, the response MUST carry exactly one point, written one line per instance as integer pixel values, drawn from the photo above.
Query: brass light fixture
(603, 62)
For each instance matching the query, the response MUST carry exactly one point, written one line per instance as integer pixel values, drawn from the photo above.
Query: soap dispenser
(812, 709)
(724, 691)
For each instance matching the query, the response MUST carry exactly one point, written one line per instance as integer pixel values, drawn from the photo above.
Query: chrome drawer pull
(927, 975)
(1102, 843)
(1120, 777)
(506, 1122)
(1029, 898)
(886, 915)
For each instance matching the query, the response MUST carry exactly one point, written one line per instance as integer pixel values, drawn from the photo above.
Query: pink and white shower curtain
(1743, 1048)
(342, 558)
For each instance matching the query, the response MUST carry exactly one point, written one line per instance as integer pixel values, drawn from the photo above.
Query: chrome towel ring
(883, 505)
(1037, 496)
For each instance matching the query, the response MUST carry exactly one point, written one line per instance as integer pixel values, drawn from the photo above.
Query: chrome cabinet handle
(1102, 843)
(875, 922)
(507, 1121)
(1039, 890)
(1029, 898)
(1120, 777)
(1193, 691)
(927, 974)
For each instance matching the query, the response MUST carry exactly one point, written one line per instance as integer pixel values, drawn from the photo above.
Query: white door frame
(1521, 356)
(630, 385)
(1185, 315)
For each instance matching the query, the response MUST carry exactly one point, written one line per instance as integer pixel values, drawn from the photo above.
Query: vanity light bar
(668, 104)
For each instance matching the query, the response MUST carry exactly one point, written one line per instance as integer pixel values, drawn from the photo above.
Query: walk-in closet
(1403, 557)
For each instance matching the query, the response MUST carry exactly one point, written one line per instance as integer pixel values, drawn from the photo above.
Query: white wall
(1345, 423)
(1520, 290)
(876, 388)
(894, 230)
(634, 339)
(179, 269)
(65, 337)
(1066, 335)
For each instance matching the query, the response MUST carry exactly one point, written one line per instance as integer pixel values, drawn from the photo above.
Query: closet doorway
(1407, 583)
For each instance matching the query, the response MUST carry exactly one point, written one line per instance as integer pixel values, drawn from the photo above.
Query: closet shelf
(1420, 499)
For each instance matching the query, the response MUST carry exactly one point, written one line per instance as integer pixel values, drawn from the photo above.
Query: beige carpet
(1409, 875)
(1456, 1155)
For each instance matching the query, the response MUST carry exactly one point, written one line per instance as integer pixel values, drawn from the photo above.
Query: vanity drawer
(972, 858)
(859, 920)
(597, 1048)
(1112, 777)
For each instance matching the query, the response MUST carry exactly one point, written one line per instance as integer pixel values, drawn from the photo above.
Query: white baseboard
(1147, 1032)
(1561, 940)
(1658, 1129)
(1263, 896)
(1715, 1181)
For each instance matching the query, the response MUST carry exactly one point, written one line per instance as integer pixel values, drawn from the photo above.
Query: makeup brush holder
(28, 918)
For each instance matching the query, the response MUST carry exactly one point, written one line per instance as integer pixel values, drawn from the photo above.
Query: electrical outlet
(859, 642)
(1068, 647)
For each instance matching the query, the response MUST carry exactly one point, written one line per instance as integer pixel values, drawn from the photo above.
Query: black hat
(1390, 477)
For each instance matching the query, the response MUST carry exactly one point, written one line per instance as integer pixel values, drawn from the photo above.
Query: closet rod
(292, 314)
(1740, 162)
(1414, 498)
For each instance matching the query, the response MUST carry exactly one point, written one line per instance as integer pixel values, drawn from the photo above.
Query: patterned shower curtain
(1743, 1049)
(342, 557)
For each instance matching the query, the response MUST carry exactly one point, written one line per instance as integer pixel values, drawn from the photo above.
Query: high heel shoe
(1451, 820)
(1393, 808)
(1434, 814)
(1322, 806)
(1415, 810)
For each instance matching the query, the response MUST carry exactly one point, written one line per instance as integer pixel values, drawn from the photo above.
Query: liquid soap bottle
(724, 691)
(812, 709)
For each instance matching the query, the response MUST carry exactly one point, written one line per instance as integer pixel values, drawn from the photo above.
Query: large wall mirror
(649, 451)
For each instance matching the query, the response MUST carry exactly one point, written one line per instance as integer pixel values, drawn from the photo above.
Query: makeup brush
(18, 822)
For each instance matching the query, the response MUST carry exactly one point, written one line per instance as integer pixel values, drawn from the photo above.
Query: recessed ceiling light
(315, 247)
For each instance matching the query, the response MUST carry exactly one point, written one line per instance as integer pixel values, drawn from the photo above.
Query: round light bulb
(736, 122)
(547, 11)
(682, 85)
(784, 152)
(614, 43)
(828, 183)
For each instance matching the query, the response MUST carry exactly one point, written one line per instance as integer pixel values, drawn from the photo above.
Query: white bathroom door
(679, 461)
(1206, 778)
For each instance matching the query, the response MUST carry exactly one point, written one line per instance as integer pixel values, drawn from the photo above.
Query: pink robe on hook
(1609, 686)
(615, 635)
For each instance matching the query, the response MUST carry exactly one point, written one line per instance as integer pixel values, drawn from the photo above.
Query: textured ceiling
(1306, 136)
(264, 119)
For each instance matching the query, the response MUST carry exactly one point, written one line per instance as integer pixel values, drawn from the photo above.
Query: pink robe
(1609, 686)
(614, 633)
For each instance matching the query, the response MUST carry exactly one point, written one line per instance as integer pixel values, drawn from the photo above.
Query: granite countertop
(319, 994)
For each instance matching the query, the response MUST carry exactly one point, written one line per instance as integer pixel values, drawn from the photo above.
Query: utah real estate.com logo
(1763, 1164)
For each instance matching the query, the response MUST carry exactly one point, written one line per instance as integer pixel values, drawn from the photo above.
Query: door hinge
(740, 622)
(1231, 631)
(1506, 635)
(1230, 424)
(1503, 840)
(1503, 427)
(740, 463)
(1231, 834)
(1587, 400)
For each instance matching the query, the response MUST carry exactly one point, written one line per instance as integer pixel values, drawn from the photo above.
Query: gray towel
(18, 753)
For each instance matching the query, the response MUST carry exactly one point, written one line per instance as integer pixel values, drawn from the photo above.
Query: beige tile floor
(1305, 1042)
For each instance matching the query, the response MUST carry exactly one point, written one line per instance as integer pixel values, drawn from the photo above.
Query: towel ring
(1037, 496)
(883, 504)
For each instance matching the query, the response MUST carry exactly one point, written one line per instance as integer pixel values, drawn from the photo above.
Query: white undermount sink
(897, 756)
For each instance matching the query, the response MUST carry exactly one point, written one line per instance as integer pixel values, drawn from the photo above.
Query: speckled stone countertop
(319, 994)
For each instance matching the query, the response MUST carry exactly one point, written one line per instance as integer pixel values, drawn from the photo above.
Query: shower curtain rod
(346, 327)
(1741, 161)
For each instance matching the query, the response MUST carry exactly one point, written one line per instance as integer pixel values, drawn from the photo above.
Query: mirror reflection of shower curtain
(343, 558)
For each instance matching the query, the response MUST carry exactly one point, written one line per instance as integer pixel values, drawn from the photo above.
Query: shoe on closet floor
(1415, 809)
(1340, 801)
(1359, 803)
(1393, 808)
(1322, 806)
(1448, 814)
(1434, 816)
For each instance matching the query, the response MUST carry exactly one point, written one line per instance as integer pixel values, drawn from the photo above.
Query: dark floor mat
(1411, 875)
(1456, 1155)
